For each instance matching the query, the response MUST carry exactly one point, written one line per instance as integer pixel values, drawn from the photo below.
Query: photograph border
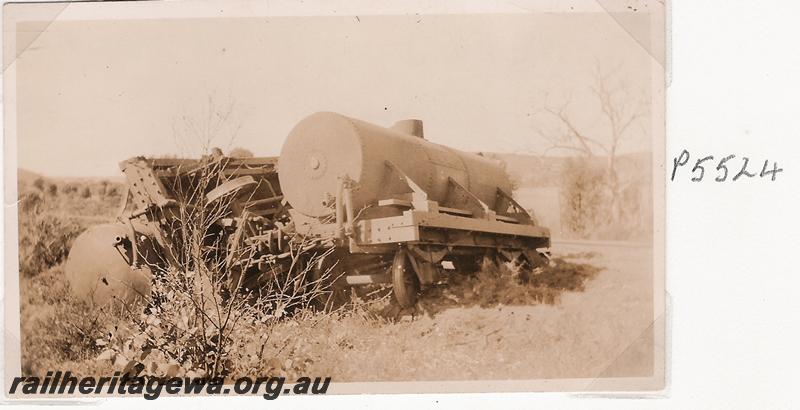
(15, 13)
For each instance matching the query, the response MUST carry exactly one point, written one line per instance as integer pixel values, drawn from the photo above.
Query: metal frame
(432, 231)
(422, 216)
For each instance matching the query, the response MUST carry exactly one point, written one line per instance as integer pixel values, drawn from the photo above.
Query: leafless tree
(213, 125)
(201, 309)
(618, 115)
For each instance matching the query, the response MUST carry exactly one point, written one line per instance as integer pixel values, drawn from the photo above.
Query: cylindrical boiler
(327, 146)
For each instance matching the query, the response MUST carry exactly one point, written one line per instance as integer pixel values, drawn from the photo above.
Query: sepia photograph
(288, 200)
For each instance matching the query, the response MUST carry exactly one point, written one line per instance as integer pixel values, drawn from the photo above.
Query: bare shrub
(207, 315)
(584, 198)
(112, 191)
(44, 239)
(58, 330)
(588, 210)
(39, 184)
(69, 188)
(52, 189)
(103, 188)
(499, 285)
(203, 309)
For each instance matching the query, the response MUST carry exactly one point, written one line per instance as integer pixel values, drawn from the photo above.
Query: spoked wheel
(404, 281)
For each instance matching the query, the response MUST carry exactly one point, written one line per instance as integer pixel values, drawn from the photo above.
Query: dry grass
(52, 214)
(58, 332)
(356, 343)
(498, 287)
(581, 334)
(574, 320)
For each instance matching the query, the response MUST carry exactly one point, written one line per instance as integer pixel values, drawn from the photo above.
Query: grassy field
(585, 316)
(57, 331)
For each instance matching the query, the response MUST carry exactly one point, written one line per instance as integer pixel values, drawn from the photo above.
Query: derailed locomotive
(383, 205)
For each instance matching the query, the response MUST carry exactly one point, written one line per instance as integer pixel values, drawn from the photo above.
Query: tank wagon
(384, 205)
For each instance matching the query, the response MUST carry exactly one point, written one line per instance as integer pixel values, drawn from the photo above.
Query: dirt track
(603, 330)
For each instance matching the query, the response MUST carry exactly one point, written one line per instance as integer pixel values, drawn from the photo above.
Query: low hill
(27, 177)
(532, 171)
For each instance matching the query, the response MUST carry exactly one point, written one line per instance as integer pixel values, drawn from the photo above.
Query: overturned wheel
(99, 269)
(405, 284)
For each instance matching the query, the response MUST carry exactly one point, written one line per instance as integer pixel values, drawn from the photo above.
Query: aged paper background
(639, 38)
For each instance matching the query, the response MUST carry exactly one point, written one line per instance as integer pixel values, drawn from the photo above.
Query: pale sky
(92, 93)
